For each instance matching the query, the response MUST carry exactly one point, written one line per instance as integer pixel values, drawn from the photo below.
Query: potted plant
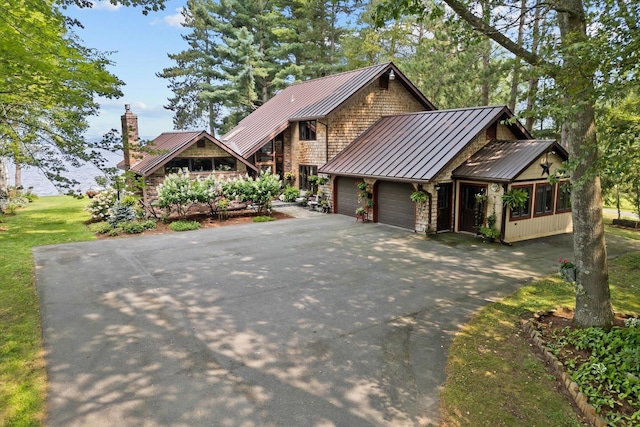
(418, 197)
(489, 232)
(515, 198)
(567, 270)
(289, 176)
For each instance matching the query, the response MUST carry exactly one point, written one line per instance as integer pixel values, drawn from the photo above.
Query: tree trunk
(515, 82)
(593, 300)
(530, 121)
(18, 175)
(486, 57)
(4, 176)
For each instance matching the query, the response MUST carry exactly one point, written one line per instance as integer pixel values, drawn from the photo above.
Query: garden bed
(627, 223)
(205, 221)
(597, 379)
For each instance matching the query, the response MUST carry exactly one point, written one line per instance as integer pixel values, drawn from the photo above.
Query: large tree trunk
(593, 301)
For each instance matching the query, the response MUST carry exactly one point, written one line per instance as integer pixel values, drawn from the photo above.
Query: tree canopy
(50, 81)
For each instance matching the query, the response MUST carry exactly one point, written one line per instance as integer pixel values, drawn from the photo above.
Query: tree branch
(488, 30)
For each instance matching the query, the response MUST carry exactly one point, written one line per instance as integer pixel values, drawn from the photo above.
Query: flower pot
(568, 274)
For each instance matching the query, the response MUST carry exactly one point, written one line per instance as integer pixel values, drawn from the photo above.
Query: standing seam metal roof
(503, 161)
(305, 100)
(415, 146)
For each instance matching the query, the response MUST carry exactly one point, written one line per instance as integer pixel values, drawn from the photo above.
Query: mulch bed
(206, 221)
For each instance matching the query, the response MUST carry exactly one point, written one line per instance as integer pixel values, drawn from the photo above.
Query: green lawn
(493, 376)
(46, 221)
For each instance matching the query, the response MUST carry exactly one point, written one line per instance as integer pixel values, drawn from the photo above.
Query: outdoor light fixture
(392, 75)
(437, 187)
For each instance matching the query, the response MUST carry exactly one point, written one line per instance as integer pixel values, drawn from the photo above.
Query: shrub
(184, 225)
(263, 218)
(133, 227)
(290, 194)
(149, 224)
(120, 213)
(10, 209)
(176, 191)
(114, 232)
(101, 203)
(30, 196)
(102, 227)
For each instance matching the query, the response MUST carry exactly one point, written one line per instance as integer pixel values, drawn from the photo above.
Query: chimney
(129, 136)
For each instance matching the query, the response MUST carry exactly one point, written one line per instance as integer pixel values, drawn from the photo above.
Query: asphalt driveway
(303, 322)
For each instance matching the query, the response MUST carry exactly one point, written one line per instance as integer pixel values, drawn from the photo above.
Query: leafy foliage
(184, 225)
(290, 193)
(610, 375)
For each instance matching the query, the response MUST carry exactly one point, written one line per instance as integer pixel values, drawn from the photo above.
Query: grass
(493, 375)
(46, 221)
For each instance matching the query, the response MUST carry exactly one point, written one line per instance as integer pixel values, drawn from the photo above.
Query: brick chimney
(129, 137)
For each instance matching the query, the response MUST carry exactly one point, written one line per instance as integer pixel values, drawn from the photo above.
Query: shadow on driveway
(303, 322)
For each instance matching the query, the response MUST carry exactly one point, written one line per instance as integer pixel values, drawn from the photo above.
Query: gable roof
(169, 144)
(417, 146)
(311, 99)
(504, 161)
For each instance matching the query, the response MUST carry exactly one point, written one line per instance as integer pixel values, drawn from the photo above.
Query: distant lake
(33, 177)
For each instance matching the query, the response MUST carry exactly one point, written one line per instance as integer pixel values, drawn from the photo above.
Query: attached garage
(394, 205)
(347, 196)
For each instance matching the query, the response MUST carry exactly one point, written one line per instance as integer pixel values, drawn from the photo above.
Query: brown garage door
(395, 206)
(347, 197)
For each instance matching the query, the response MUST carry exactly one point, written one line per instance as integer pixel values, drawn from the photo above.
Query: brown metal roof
(309, 99)
(169, 144)
(503, 161)
(416, 146)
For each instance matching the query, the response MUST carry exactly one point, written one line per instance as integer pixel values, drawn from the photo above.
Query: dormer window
(307, 130)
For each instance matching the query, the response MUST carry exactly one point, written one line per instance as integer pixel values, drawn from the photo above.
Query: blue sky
(140, 45)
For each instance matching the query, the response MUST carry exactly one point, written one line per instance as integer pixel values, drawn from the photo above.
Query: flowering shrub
(101, 203)
(177, 191)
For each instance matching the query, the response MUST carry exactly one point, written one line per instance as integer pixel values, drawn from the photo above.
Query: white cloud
(106, 5)
(176, 20)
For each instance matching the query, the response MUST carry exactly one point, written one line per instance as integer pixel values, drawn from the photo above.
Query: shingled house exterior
(308, 123)
(196, 152)
(374, 125)
(453, 156)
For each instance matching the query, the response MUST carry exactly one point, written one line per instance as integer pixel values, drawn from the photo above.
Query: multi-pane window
(564, 197)
(200, 164)
(544, 199)
(524, 211)
(305, 172)
(224, 163)
(307, 130)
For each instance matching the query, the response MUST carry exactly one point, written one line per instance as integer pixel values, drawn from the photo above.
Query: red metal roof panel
(413, 146)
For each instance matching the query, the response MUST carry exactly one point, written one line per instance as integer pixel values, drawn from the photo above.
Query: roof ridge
(296, 83)
(449, 110)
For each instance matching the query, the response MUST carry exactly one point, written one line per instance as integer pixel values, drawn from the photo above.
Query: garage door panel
(394, 204)
(347, 197)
